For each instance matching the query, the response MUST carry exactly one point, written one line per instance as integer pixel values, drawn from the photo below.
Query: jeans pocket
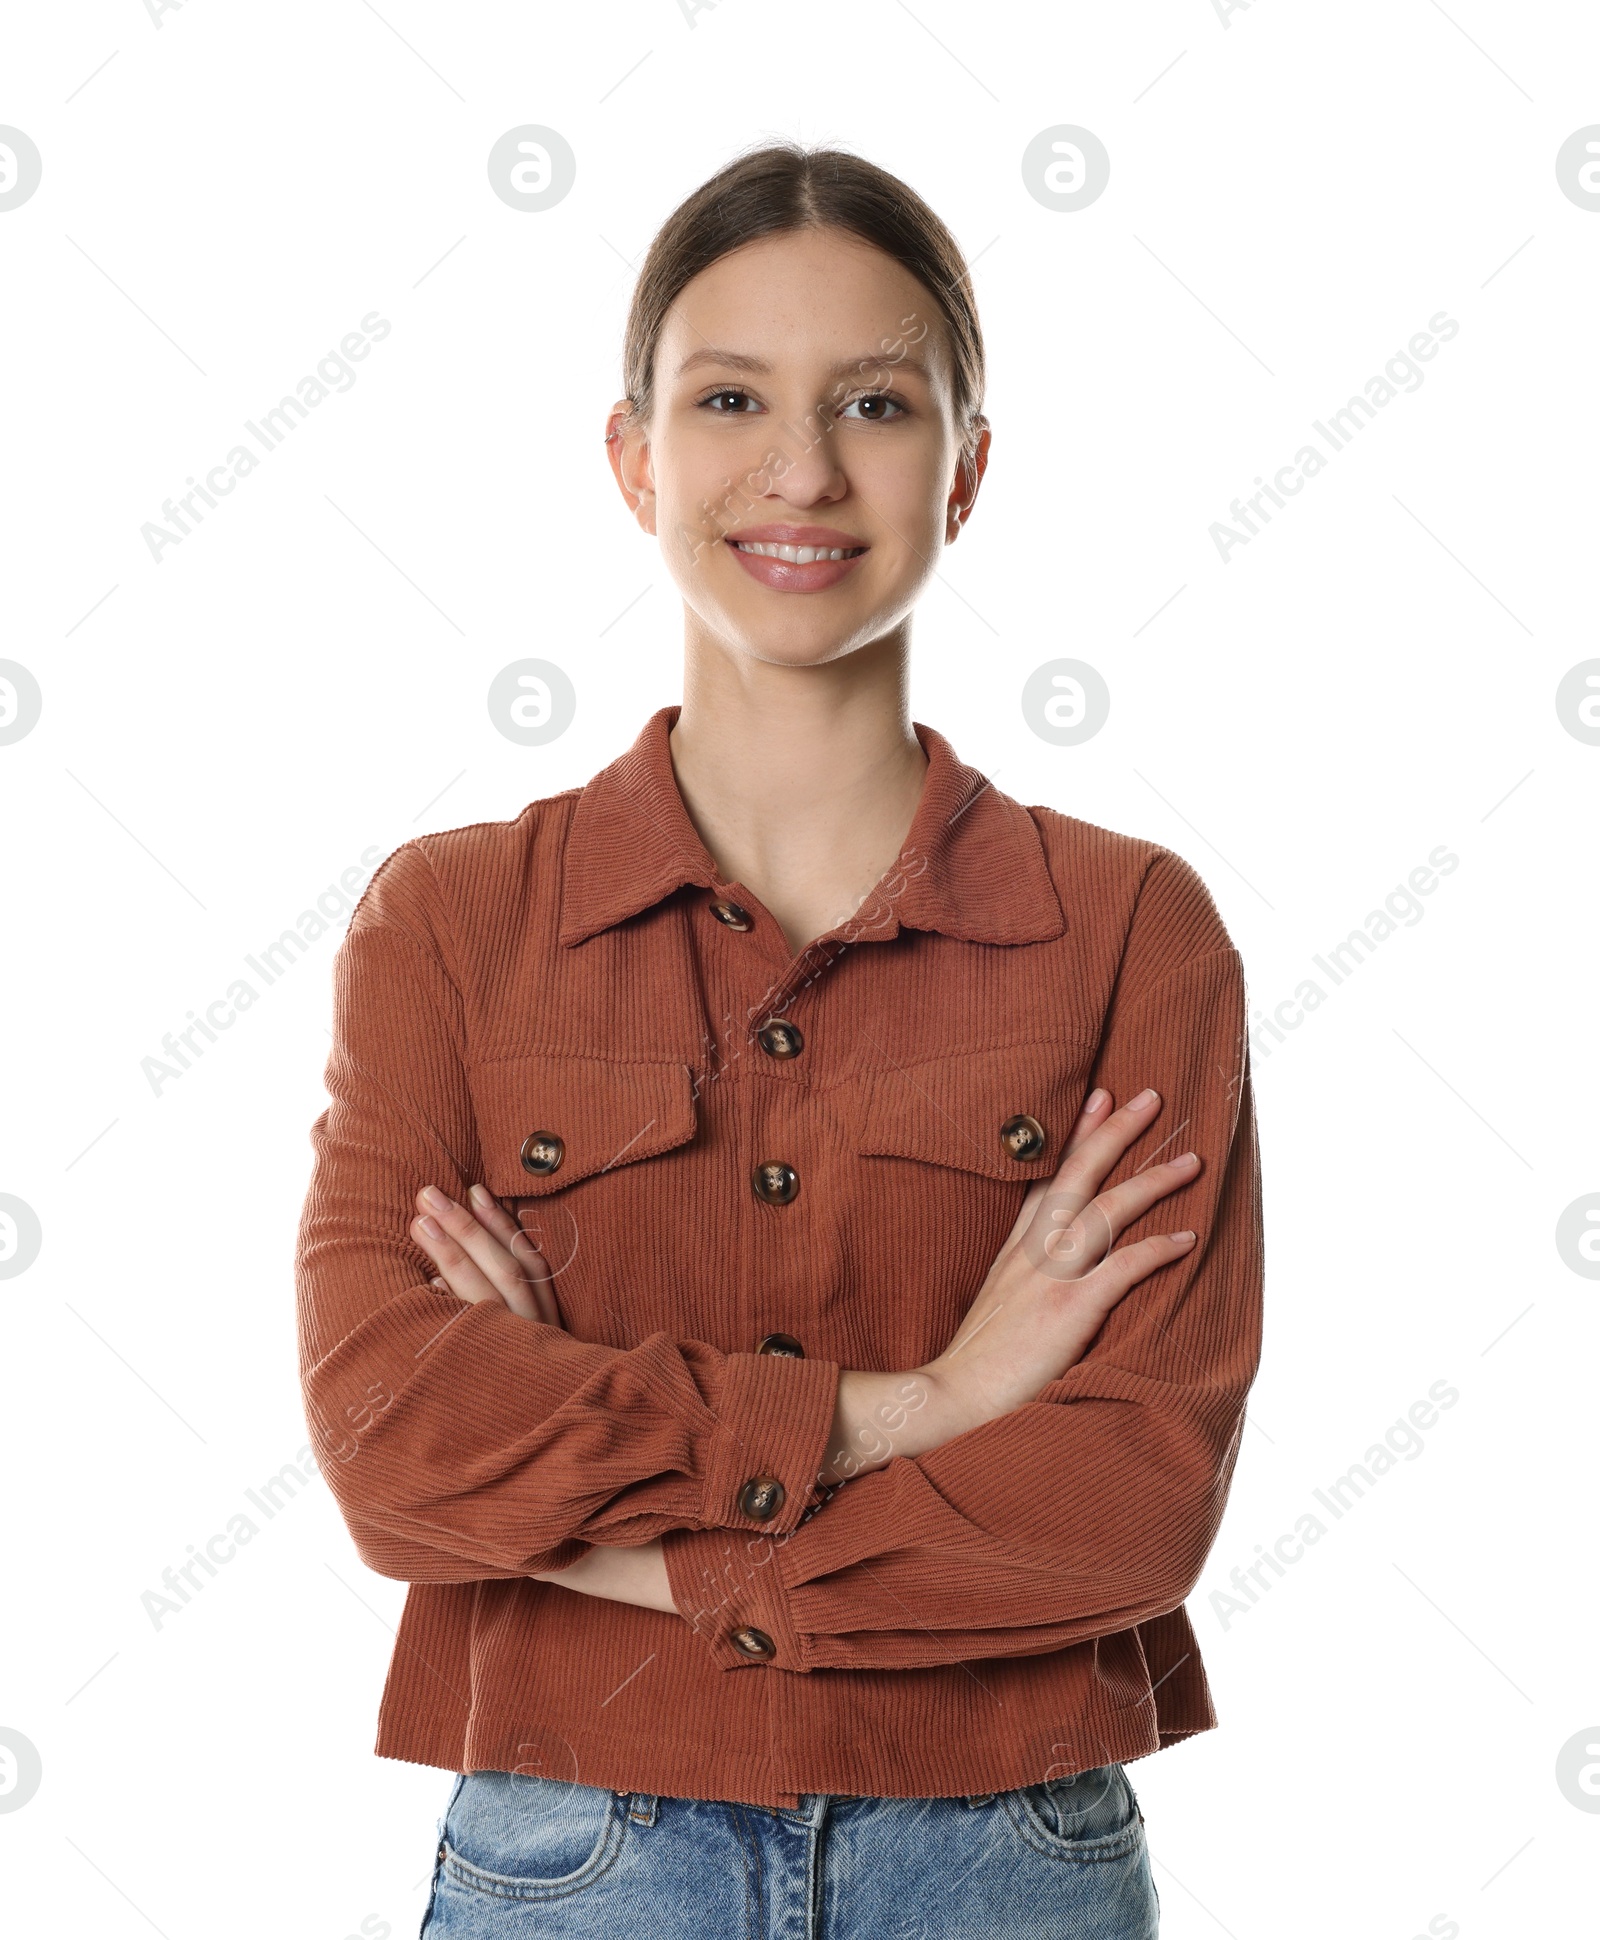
(1091, 1815)
(517, 1837)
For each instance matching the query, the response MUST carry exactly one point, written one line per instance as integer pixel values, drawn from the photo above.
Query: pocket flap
(592, 1114)
(957, 1111)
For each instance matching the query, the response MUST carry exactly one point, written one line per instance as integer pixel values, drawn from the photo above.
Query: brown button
(542, 1152)
(735, 915)
(1022, 1136)
(761, 1498)
(753, 1642)
(775, 1182)
(780, 1039)
(781, 1344)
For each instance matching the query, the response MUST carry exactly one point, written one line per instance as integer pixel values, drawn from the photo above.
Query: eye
(879, 399)
(713, 400)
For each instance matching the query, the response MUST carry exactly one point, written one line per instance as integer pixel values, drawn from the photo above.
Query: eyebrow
(759, 367)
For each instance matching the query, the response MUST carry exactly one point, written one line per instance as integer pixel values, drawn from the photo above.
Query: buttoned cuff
(726, 1586)
(774, 1424)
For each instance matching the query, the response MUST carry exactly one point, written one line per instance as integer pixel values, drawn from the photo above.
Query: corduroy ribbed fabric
(1006, 1606)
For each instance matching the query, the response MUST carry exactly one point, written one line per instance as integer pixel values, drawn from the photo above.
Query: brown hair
(784, 186)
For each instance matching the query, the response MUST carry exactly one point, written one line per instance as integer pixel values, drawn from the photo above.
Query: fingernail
(1095, 1100)
(431, 1227)
(1144, 1098)
(1184, 1237)
(1187, 1158)
(432, 1196)
(479, 1195)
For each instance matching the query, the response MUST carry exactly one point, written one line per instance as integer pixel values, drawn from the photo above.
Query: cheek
(711, 470)
(689, 494)
(692, 514)
(689, 546)
(681, 477)
(908, 482)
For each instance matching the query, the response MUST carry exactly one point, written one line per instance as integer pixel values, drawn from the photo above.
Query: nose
(810, 472)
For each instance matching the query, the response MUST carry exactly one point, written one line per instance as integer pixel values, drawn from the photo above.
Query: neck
(802, 781)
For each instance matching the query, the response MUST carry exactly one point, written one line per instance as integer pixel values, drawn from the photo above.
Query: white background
(1294, 192)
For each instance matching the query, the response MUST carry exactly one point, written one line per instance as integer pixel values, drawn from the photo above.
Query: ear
(969, 476)
(628, 448)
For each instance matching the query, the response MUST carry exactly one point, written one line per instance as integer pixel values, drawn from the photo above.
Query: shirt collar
(972, 866)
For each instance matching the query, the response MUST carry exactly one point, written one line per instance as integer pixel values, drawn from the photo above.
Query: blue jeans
(1061, 1860)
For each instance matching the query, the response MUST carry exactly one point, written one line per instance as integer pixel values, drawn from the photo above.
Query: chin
(781, 649)
(799, 640)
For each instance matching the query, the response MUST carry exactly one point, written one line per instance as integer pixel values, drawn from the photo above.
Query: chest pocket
(1004, 1114)
(544, 1123)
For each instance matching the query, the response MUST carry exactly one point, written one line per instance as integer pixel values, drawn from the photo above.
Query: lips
(809, 566)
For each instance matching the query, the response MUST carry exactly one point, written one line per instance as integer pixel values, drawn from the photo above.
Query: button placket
(775, 1182)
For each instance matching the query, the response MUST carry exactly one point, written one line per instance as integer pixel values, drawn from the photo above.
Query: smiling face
(801, 465)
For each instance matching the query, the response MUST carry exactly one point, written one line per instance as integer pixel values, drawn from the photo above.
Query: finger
(547, 1314)
(461, 1246)
(1024, 1219)
(1096, 1110)
(1086, 1164)
(1073, 1238)
(1119, 1272)
(540, 1280)
(530, 1262)
(458, 1272)
(461, 1221)
(491, 1215)
(1119, 1205)
(538, 1277)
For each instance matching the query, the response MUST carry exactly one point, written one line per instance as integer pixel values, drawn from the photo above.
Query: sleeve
(1093, 1507)
(460, 1440)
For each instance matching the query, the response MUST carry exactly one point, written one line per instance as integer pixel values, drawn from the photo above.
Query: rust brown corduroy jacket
(572, 1008)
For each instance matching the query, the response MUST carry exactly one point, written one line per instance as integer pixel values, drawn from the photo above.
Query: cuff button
(781, 1344)
(753, 1642)
(761, 1498)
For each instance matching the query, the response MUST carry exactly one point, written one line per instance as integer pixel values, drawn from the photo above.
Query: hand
(1057, 1278)
(1044, 1300)
(483, 1254)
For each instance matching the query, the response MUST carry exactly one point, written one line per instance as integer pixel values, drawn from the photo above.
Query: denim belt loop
(978, 1798)
(641, 1806)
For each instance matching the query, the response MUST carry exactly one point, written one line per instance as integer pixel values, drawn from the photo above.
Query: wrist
(947, 1410)
(625, 1575)
(879, 1416)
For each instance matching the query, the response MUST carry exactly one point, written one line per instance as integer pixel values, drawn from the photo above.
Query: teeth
(799, 555)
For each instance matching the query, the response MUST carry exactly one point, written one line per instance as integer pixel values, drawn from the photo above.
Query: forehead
(816, 296)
